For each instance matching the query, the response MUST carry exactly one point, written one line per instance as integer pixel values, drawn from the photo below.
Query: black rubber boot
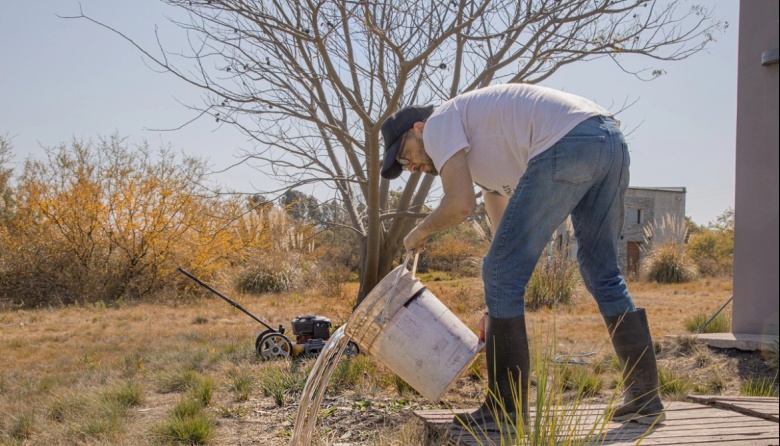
(508, 367)
(634, 347)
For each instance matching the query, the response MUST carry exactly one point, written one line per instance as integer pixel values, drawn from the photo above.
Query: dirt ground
(48, 353)
(578, 331)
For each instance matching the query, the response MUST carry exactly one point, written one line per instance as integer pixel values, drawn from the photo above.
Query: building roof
(661, 189)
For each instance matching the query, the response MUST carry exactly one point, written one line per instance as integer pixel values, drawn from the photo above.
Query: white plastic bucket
(413, 334)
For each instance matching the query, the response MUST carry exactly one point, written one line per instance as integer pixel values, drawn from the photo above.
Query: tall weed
(553, 282)
(665, 261)
(667, 264)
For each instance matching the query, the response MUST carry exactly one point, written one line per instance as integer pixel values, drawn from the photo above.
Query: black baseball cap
(393, 128)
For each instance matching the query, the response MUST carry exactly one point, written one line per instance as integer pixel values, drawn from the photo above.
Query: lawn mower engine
(311, 332)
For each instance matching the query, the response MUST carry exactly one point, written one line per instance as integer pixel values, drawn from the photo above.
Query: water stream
(314, 391)
(328, 358)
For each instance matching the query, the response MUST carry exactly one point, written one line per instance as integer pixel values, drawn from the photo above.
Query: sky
(62, 79)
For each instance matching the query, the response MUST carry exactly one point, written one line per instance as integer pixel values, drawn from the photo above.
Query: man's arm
(456, 205)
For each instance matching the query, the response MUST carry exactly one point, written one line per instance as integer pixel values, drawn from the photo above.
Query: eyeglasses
(401, 160)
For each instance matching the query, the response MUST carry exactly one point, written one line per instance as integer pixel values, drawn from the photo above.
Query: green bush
(712, 252)
(667, 264)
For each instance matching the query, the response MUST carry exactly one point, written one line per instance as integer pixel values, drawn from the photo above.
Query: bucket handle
(398, 279)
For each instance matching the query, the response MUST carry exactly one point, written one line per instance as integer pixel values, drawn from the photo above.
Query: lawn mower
(311, 333)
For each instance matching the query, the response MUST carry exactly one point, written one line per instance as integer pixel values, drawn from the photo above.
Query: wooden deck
(710, 420)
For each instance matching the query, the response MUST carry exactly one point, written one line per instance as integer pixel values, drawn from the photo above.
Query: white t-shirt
(502, 127)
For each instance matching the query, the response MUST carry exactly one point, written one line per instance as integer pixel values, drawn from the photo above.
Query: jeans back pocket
(576, 159)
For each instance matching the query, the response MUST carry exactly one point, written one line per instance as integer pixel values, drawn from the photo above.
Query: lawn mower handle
(227, 299)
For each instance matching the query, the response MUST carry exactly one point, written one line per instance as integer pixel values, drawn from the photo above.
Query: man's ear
(418, 127)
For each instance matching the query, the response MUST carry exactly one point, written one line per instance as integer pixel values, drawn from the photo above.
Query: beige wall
(756, 197)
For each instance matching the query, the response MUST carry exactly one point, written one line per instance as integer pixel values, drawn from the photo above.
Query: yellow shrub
(107, 222)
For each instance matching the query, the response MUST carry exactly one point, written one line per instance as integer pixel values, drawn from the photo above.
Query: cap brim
(391, 169)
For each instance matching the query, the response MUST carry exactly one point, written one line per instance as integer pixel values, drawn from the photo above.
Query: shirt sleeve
(444, 135)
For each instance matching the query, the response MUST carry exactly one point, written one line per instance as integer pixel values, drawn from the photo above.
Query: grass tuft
(177, 381)
(716, 382)
(281, 380)
(203, 391)
(106, 425)
(402, 387)
(196, 428)
(667, 264)
(584, 380)
(241, 383)
(719, 324)
(672, 385)
(188, 423)
(350, 374)
(124, 395)
(66, 407)
(22, 427)
(687, 344)
(759, 387)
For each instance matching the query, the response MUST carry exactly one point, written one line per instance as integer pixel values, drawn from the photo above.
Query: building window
(635, 216)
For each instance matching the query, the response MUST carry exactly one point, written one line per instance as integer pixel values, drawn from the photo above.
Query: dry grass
(58, 365)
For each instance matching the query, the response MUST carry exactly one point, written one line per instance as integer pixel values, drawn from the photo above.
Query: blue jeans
(584, 174)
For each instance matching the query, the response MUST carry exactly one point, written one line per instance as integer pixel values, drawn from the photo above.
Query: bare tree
(311, 81)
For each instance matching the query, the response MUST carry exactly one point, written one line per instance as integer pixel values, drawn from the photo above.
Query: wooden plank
(687, 423)
(766, 408)
(463, 438)
(757, 399)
